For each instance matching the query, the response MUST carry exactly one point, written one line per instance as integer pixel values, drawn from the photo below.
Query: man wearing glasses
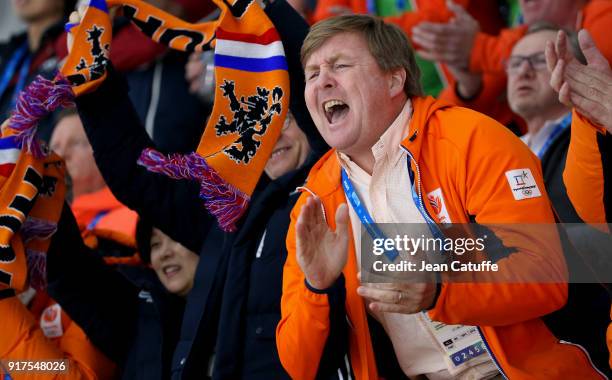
(531, 97)
(548, 135)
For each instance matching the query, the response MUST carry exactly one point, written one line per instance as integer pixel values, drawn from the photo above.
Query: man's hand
(588, 88)
(321, 253)
(449, 43)
(404, 298)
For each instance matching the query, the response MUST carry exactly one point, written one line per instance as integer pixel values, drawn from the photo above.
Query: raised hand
(321, 253)
(75, 18)
(587, 88)
(449, 43)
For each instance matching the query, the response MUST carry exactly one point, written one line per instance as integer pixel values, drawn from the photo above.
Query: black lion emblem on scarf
(251, 117)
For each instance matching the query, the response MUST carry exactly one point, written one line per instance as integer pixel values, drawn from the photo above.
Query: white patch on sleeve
(522, 184)
(51, 321)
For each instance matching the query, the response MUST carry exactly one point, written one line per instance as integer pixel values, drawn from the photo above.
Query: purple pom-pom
(38, 100)
(224, 201)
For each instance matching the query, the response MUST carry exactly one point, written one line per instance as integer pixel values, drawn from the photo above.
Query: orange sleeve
(304, 327)
(75, 344)
(22, 339)
(597, 20)
(329, 8)
(491, 100)
(433, 11)
(584, 172)
(532, 274)
(489, 52)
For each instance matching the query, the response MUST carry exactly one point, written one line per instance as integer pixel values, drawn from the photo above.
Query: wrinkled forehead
(341, 45)
(534, 43)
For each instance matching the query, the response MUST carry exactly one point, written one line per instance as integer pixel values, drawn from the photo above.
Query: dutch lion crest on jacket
(251, 118)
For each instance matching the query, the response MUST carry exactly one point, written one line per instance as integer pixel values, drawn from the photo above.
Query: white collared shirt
(536, 141)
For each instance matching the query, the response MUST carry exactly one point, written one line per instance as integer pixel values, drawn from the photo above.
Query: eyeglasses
(535, 61)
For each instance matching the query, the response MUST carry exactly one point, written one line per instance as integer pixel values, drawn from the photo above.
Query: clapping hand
(321, 253)
(587, 88)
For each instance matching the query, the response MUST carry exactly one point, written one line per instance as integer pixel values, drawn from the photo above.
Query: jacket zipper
(424, 211)
(299, 188)
(586, 353)
(490, 352)
(429, 219)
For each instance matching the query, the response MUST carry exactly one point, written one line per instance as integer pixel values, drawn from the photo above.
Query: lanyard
(366, 220)
(11, 68)
(567, 120)
(433, 227)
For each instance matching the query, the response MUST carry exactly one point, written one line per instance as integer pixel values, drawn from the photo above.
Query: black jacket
(134, 323)
(117, 138)
(43, 62)
(160, 94)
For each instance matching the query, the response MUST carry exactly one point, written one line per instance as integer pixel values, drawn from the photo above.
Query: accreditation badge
(462, 345)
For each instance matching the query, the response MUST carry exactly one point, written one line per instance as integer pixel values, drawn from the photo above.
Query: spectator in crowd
(548, 120)
(37, 329)
(363, 94)
(36, 51)
(241, 281)
(136, 321)
(251, 298)
(531, 97)
(587, 90)
(70, 142)
(463, 48)
(105, 223)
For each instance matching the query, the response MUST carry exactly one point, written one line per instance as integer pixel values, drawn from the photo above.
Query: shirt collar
(536, 141)
(388, 145)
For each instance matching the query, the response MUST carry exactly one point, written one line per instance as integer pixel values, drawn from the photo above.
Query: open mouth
(279, 151)
(335, 110)
(171, 270)
(524, 88)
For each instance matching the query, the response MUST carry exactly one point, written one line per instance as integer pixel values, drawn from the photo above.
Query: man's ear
(396, 81)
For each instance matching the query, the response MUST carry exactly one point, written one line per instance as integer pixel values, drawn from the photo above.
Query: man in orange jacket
(393, 148)
(588, 89)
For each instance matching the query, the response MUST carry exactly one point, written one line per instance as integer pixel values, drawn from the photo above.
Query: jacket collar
(423, 110)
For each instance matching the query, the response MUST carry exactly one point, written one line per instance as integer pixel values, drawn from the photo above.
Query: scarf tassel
(38, 100)
(37, 269)
(224, 201)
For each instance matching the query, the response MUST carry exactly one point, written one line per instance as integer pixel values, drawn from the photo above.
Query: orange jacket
(584, 178)
(466, 155)
(101, 215)
(23, 339)
(584, 172)
(489, 51)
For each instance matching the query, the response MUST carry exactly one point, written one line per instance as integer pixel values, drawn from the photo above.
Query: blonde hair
(386, 43)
